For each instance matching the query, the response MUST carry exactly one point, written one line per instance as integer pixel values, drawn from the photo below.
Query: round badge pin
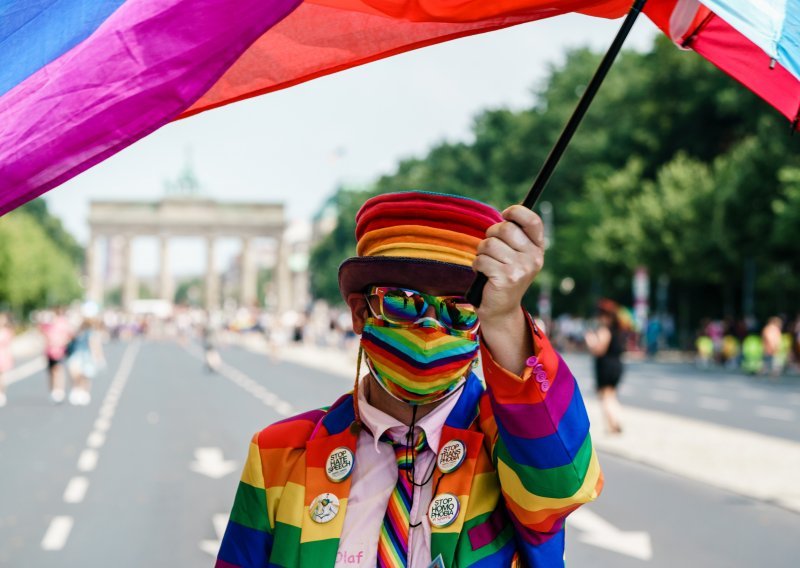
(451, 456)
(339, 464)
(324, 508)
(443, 510)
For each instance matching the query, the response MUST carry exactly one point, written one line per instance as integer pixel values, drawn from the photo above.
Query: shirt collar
(380, 423)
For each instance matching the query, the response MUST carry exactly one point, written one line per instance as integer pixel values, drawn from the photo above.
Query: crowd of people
(73, 347)
(771, 349)
(73, 340)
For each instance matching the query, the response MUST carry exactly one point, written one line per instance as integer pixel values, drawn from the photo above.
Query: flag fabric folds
(325, 36)
(123, 74)
(82, 79)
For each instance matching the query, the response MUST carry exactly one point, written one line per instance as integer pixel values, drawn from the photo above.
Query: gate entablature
(187, 216)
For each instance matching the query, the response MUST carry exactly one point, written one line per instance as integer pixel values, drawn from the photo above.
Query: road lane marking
(752, 394)
(664, 395)
(270, 399)
(252, 387)
(60, 526)
(667, 383)
(57, 533)
(87, 460)
(76, 489)
(219, 521)
(107, 411)
(600, 533)
(95, 439)
(211, 463)
(775, 413)
(713, 403)
(795, 399)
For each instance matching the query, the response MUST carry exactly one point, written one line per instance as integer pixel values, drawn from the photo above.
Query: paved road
(752, 403)
(137, 478)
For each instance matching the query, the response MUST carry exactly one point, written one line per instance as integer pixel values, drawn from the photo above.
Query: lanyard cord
(412, 448)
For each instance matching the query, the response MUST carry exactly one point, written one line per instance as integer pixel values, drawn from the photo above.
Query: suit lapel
(459, 481)
(319, 541)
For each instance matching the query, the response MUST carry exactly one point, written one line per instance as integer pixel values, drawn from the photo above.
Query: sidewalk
(749, 464)
(27, 344)
(27, 350)
(679, 360)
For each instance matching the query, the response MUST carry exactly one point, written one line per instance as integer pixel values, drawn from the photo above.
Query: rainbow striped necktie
(393, 539)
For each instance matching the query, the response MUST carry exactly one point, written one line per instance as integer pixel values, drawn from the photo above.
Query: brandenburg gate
(187, 216)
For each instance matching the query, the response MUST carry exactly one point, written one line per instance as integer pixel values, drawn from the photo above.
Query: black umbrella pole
(475, 293)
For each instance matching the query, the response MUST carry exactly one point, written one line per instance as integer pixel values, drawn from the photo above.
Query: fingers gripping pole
(475, 293)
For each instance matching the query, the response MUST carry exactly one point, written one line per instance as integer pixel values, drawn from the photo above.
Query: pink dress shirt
(374, 478)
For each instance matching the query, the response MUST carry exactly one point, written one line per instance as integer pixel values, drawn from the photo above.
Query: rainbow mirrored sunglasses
(403, 307)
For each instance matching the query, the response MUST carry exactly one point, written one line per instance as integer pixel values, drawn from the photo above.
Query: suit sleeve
(248, 538)
(538, 432)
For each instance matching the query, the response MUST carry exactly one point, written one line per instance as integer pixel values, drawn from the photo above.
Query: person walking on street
(85, 357)
(607, 344)
(795, 332)
(753, 353)
(771, 338)
(652, 336)
(426, 462)
(6, 358)
(57, 335)
(211, 356)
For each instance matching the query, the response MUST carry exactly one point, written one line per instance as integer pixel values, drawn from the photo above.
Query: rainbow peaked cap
(417, 239)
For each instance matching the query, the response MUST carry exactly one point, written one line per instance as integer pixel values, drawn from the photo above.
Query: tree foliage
(338, 245)
(54, 229)
(35, 269)
(676, 167)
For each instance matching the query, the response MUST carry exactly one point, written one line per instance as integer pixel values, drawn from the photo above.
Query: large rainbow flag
(82, 79)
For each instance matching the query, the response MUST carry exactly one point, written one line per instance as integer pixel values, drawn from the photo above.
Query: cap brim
(357, 273)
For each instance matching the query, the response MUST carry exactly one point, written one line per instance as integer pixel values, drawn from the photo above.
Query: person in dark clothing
(606, 344)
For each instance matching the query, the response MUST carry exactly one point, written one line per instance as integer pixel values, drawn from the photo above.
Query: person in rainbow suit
(466, 444)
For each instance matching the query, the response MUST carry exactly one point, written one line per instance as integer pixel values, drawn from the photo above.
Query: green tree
(676, 167)
(34, 270)
(54, 229)
(337, 246)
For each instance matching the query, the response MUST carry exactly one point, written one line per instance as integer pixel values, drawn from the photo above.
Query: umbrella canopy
(82, 79)
(757, 42)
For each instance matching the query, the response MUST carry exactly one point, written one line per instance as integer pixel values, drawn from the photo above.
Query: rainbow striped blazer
(530, 462)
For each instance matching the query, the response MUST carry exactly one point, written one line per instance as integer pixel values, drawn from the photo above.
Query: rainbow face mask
(419, 364)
